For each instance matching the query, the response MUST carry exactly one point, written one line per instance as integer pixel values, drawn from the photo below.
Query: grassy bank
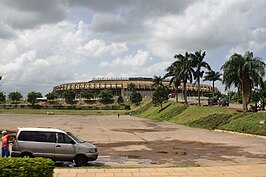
(204, 117)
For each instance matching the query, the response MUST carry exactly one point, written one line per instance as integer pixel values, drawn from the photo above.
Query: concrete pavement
(222, 171)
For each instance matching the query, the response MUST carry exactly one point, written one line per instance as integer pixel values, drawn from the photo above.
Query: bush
(26, 167)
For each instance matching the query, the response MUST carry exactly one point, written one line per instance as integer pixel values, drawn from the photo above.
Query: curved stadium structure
(119, 86)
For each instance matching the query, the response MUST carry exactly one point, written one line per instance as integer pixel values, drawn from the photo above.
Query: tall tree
(32, 97)
(87, 94)
(244, 72)
(106, 95)
(2, 97)
(199, 63)
(15, 96)
(135, 98)
(262, 94)
(160, 95)
(157, 81)
(132, 87)
(52, 95)
(173, 72)
(186, 71)
(69, 96)
(212, 76)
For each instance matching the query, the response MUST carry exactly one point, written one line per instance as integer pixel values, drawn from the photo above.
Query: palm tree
(198, 63)
(173, 72)
(212, 76)
(157, 81)
(186, 71)
(244, 72)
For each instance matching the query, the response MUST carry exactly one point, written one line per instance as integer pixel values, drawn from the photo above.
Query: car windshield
(75, 138)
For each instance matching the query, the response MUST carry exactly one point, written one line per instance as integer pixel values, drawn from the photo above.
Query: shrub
(26, 167)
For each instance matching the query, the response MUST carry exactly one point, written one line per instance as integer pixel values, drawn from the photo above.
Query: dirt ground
(131, 141)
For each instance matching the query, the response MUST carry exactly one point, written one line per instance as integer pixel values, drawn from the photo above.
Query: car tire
(80, 160)
(26, 155)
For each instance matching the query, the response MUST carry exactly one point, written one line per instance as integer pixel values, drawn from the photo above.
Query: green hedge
(26, 167)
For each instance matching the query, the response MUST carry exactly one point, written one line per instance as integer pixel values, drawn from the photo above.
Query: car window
(63, 138)
(37, 136)
(75, 138)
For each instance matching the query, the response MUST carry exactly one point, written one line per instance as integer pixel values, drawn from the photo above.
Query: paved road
(111, 129)
(225, 171)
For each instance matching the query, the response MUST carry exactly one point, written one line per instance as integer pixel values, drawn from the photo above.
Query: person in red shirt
(5, 143)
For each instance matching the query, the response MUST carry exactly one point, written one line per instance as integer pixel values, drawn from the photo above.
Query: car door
(40, 144)
(64, 148)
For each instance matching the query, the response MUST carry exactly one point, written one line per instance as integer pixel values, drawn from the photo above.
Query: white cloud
(42, 41)
(49, 53)
(137, 60)
(99, 48)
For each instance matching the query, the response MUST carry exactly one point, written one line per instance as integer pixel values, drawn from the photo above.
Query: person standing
(5, 143)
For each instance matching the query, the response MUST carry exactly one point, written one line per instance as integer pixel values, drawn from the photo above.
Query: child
(5, 143)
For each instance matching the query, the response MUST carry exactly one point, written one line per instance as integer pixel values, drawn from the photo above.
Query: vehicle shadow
(72, 164)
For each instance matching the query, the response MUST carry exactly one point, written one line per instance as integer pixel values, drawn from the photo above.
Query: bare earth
(131, 141)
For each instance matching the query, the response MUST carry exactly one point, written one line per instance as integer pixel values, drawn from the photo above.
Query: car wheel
(26, 155)
(80, 160)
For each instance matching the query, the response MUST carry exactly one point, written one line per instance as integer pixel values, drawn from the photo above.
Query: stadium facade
(120, 86)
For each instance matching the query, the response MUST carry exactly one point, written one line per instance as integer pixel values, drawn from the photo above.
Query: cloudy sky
(44, 43)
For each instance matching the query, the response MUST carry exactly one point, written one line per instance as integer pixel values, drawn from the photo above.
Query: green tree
(262, 94)
(52, 95)
(233, 96)
(244, 72)
(132, 87)
(106, 95)
(199, 63)
(157, 81)
(2, 97)
(186, 71)
(87, 94)
(255, 97)
(32, 97)
(212, 76)
(173, 72)
(135, 98)
(69, 96)
(160, 95)
(120, 99)
(15, 96)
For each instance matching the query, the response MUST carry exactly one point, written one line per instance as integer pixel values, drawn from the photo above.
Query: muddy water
(172, 152)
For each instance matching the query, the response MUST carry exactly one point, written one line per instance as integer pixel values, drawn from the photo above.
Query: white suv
(53, 143)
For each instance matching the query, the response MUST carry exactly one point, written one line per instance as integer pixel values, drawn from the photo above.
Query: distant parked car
(171, 95)
(212, 101)
(55, 144)
(223, 102)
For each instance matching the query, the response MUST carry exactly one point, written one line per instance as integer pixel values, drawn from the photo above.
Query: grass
(169, 110)
(247, 123)
(63, 112)
(205, 117)
(212, 121)
(193, 113)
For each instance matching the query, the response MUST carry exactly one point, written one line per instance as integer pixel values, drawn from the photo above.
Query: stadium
(120, 86)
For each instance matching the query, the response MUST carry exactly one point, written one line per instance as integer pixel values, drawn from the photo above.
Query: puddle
(103, 161)
(72, 164)
(123, 160)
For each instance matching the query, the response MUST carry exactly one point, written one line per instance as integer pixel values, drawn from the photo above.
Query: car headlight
(92, 150)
